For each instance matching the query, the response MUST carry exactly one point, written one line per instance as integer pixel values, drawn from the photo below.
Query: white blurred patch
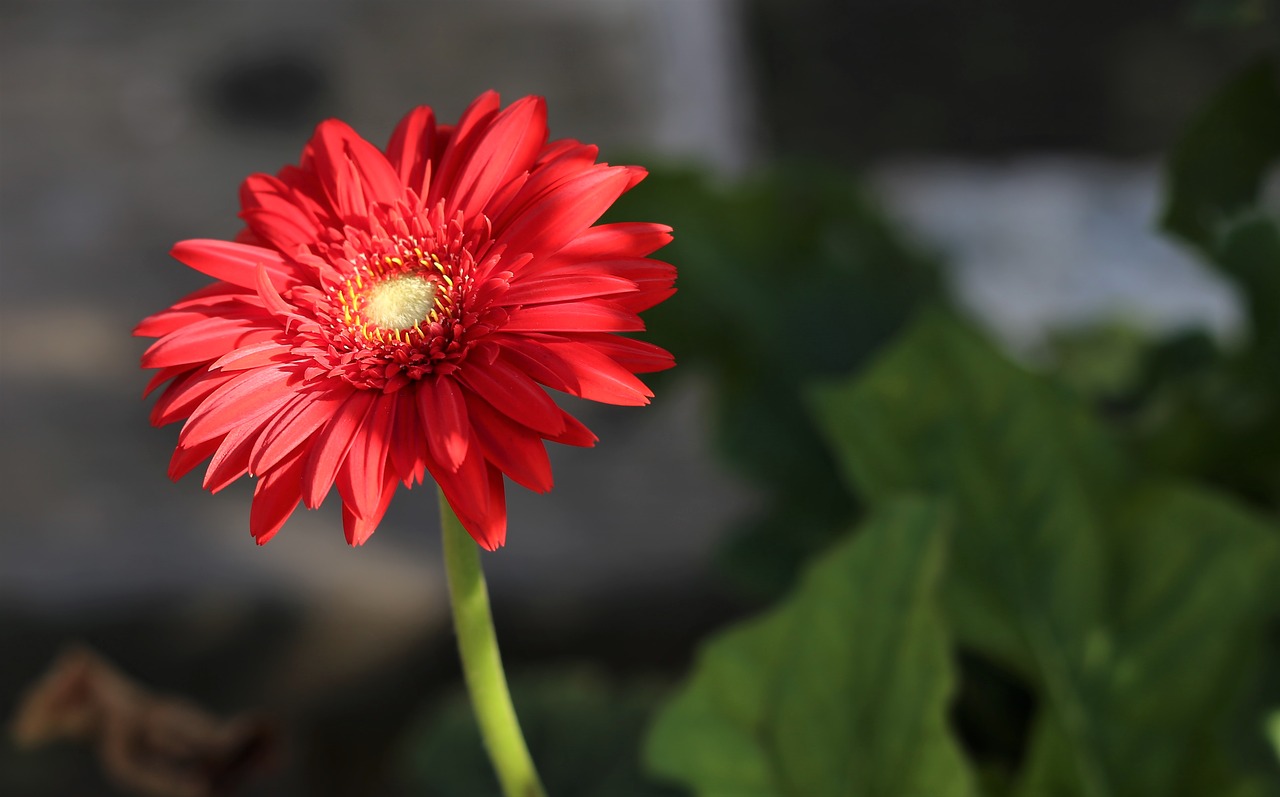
(1041, 243)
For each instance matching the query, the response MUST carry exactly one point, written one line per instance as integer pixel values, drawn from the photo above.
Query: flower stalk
(482, 662)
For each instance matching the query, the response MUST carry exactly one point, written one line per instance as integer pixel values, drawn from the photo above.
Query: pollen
(399, 303)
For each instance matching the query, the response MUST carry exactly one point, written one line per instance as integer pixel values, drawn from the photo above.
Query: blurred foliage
(1219, 166)
(1215, 413)
(1128, 603)
(1234, 13)
(788, 276)
(1190, 404)
(582, 729)
(1066, 584)
(841, 690)
(1098, 361)
(1087, 568)
(1132, 607)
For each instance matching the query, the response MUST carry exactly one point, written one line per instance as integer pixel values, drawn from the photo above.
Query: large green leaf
(1187, 610)
(1220, 163)
(842, 690)
(1248, 250)
(943, 412)
(1128, 608)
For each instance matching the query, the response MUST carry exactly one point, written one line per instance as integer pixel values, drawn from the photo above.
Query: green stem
(481, 662)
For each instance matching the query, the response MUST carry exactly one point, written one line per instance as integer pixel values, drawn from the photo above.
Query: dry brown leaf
(154, 745)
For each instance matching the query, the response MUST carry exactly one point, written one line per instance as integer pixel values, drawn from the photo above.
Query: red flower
(385, 315)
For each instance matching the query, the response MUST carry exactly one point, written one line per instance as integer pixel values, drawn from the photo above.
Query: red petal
(292, 428)
(637, 356)
(588, 315)
(411, 148)
(564, 288)
(272, 211)
(204, 341)
(275, 498)
(502, 198)
(284, 232)
(217, 299)
(162, 376)
(330, 446)
(591, 375)
(353, 173)
(601, 378)
(645, 298)
(166, 321)
(538, 364)
(181, 397)
(575, 433)
(468, 488)
(488, 527)
(362, 475)
(566, 212)
(559, 150)
(185, 457)
(511, 392)
(493, 528)
(270, 352)
(504, 149)
(359, 528)
(555, 168)
(231, 460)
(618, 240)
(248, 397)
(234, 263)
(635, 269)
(408, 451)
(460, 143)
(517, 451)
(271, 298)
(443, 414)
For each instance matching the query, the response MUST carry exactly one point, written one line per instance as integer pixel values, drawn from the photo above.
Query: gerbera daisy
(390, 314)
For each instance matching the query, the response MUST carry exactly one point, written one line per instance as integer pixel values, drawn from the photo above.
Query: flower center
(400, 302)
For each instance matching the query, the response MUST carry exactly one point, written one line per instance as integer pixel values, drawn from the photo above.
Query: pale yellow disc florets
(399, 302)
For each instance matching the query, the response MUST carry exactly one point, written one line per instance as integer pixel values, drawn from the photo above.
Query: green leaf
(1101, 361)
(1211, 415)
(1185, 619)
(841, 690)
(1248, 250)
(1130, 608)
(943, 412)
(1219, 165)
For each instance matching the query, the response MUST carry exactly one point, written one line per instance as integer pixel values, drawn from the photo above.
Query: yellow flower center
(400, 302)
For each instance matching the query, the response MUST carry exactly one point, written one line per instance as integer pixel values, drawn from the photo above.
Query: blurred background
(998, 156)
